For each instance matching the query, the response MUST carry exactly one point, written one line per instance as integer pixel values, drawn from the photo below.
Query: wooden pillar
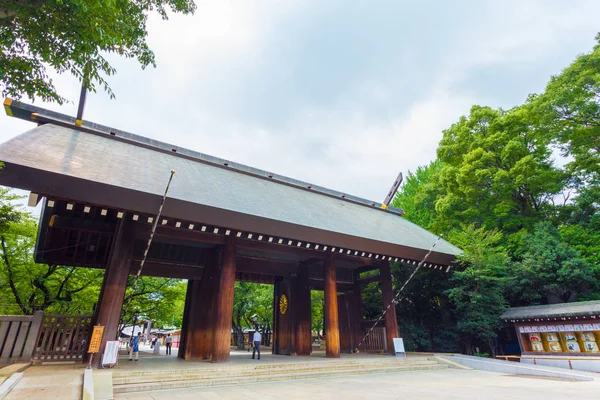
(185, 322)
(356, 312)
(198, 323)
(302, 313)
(391, 325)
(332, 333)
(112, 293)
(345, 322)
(224, 303)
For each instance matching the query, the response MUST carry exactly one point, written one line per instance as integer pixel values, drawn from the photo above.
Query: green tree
(570, 113)
(26, 287)
(497, 171)
(477, 291)
(74, 36)
(551, 269)
(253, 309)
(581, 225)
(160, 300)
(317, 297)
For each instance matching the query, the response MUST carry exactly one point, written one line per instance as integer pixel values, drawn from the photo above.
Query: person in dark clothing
(168, 343)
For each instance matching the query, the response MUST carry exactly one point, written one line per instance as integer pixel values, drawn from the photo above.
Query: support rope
(397, 296)
(137, 276)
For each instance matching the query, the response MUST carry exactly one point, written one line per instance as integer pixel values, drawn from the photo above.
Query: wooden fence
(376, 341)
(18, 334)
(63, 338)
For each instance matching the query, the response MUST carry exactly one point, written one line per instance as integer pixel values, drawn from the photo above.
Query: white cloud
(243, 81)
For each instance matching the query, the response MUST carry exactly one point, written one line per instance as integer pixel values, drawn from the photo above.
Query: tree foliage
(26, 287)
(529, 225)
(570, 112)
(252, 309)
(73, 36)
(496, 171)
(551, 269)
(477, 291)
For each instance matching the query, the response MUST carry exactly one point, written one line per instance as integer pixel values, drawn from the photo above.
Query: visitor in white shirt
(256, 341)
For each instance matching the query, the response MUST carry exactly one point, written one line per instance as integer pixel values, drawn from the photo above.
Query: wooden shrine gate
(63, 338)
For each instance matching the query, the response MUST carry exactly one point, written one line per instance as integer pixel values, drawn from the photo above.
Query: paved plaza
(62, 382)
(445, 384)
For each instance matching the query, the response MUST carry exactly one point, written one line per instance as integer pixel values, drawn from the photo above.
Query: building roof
(105, 166)
(581, 308)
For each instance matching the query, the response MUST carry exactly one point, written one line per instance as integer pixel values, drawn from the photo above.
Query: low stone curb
(9, 384)
(88, 385)
(510, 367)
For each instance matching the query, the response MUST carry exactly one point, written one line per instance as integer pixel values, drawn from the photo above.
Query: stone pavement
(445, 384)
(55, 382)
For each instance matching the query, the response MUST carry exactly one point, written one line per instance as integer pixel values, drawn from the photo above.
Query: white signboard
(111, 353)
(535, 328)
(399, 347)
(596, 327)
(588, 327)
(551, 328)
(543, 328)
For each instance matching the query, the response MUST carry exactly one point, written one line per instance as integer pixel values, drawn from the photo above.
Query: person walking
(256, 341)
(134, 347)
(153, 342)
(157, 344)
(168, 343)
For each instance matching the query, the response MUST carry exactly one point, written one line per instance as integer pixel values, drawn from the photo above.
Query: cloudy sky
(343, 94)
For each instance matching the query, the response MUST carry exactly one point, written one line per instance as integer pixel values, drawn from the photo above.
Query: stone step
(258, 366)
(200, 374)
(237, 379)
(194, 374)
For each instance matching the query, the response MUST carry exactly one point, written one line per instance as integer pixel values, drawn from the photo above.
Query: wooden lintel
(80, 224)
(317, 284)
(162, 270)
(369, 279)
(367, 267)
(183, 234)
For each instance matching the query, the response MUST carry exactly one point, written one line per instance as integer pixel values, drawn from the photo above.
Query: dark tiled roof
(130, 172)
(553, 310)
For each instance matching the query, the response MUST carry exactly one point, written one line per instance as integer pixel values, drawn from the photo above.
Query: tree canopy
(529, 225)
(73, 36)
(26, 287)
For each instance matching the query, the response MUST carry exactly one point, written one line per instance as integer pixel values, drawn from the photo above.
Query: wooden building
(554, 329)
(222, 221)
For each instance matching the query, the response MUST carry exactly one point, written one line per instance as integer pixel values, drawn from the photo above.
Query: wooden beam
(368, 267)
(368, 279)
(318, 284)
(165, 270)
(191, 235)
(80, 224)
(302, 253)
(265, 266)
